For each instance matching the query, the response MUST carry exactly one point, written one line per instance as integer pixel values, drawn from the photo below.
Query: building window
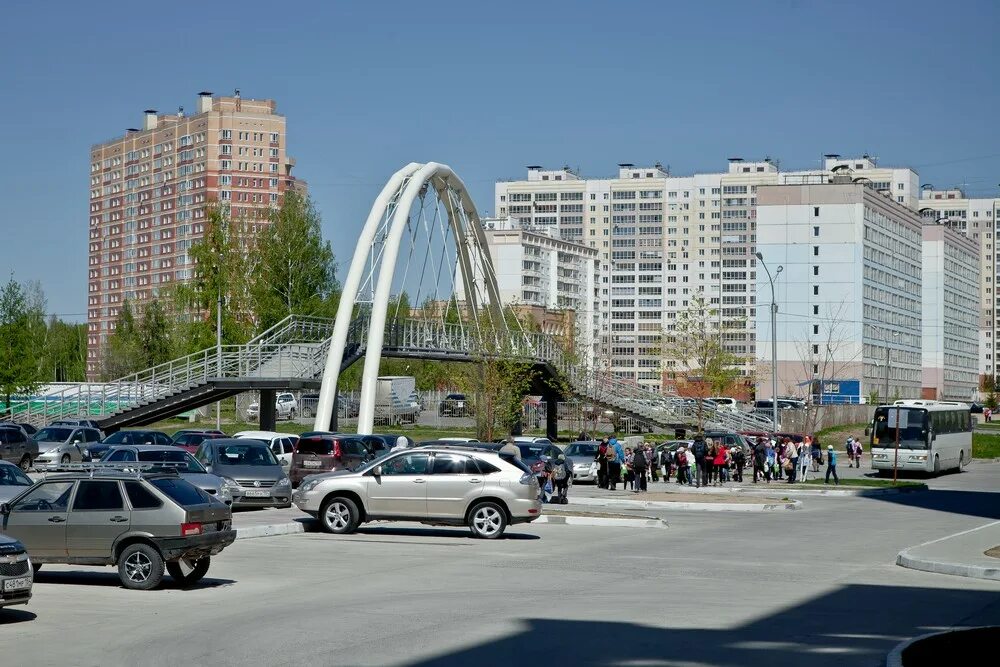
(815, 329)
(815, 290)
(815, 231)
(815, 349)
(815, 211)
(815, 270)
(815, 310)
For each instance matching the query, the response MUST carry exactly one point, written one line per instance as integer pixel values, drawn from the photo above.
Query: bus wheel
(961, 460)
(937, 465)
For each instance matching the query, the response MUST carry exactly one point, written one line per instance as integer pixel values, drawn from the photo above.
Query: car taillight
(189, 529)
(528, 478)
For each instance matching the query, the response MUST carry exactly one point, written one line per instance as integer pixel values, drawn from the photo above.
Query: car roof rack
(459, 447)
(124, 467)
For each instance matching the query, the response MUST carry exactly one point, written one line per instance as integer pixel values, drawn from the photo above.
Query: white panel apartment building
(951, 306)
(663, 239)
(976, 218)
(849, 298)
(535, 268)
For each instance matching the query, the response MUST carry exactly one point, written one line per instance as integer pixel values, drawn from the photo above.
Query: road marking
(948, 537)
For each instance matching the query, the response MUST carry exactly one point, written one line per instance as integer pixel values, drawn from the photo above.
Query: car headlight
(920, 457)
(308, 485)
(283, 482)
(230, 485)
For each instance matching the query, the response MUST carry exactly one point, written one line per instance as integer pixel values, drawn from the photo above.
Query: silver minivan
(16, 446)
(65, 444)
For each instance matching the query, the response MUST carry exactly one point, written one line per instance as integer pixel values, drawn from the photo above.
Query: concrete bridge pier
(267, 410)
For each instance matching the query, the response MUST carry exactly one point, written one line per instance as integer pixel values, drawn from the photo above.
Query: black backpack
(699, 449)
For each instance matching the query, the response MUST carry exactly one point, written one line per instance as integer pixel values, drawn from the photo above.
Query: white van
(281, 444)
(726, 403)
(396, 400)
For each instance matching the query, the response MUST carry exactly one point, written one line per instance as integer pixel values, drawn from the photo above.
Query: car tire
(487, 520)
(307, 413)
(192, 577)
(140, 567)
(25, 463)
(339, 515)
(35, 567)
(291, 415)
(937, 465)
(65, 459)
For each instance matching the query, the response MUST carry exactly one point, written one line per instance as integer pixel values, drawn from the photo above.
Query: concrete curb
(569, 520)
(294, 527)
(270, 530)
(784, 489)
(688, 506)
(909, 558)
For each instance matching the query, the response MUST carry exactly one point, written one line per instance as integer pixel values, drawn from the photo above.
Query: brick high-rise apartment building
(150, 188)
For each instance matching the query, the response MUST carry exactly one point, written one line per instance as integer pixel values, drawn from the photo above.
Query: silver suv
(141, 522)
(441, 485)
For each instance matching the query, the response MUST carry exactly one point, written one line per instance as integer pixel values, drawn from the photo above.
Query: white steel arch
(386, 222)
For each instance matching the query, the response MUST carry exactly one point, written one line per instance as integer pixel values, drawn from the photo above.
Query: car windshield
(250, 454)
(12, 476)
(581, 449)
(172, 456)
(53, 434)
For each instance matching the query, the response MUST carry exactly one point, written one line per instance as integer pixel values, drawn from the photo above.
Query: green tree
(296, 273)
(695, 356)
(19, 346)
(155, 335)
(225, 266)
(123, 353)
(64, 358)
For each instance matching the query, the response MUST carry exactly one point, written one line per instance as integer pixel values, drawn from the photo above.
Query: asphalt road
(813, 587)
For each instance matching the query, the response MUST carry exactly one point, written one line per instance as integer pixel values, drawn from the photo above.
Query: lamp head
(779, 269)
(759, 256)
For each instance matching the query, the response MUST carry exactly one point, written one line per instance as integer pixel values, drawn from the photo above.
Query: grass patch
(868, 483)
(835, 433)
(985, 446)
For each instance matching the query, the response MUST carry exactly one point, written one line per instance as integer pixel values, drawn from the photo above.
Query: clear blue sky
(489, 88)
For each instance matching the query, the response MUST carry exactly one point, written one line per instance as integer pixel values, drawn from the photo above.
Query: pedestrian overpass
(422, 235)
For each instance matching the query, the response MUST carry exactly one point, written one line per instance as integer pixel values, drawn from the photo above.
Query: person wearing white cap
(831, 465)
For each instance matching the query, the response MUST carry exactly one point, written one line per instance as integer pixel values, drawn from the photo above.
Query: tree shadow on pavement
(854, 625)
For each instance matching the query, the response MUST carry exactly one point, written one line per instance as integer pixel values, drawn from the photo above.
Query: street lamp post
(774, 344)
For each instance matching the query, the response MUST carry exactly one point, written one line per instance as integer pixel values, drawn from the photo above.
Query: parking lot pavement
(817, 587)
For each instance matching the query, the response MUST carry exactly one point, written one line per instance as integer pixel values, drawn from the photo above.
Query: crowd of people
(709, 462)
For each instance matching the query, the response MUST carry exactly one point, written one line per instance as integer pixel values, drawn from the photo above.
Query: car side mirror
(377, 471)
(4, 509)
(867, 431)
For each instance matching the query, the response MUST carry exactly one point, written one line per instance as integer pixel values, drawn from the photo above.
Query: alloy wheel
(138, 567)
(338, 516)
(487, 520)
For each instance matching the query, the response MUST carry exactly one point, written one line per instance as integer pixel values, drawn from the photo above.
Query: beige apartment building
(149, 190)
(663, 240)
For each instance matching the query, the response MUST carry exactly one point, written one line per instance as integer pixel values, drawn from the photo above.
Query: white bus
(933, 436)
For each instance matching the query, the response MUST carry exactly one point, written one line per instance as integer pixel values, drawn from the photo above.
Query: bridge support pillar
(336, 411)
(267, 410)
(551, 399)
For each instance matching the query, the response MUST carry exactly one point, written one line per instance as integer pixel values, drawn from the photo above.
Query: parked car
(455, 405)
(255, 477)
(319, 451)
(191, 440)
(726, 403)
(730, 439)
(16, 572)
(30, 429)
(12, 481)
(381, 443)
(142, 523)
(536, 451)
(65, 444)
(89, 423)
(470, 486)
(285, 407)
(178, 459)
(17, 446)
(282, 444)
(130, 437)
(581, 457)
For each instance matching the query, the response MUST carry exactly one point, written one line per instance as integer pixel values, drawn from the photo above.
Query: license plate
(310, 464)
(461, 404)
(16, 584)
(256, 493)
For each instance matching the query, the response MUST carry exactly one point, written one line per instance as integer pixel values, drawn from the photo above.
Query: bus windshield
(912, 427)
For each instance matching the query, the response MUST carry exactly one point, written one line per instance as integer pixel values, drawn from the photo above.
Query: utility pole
(774, 344)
